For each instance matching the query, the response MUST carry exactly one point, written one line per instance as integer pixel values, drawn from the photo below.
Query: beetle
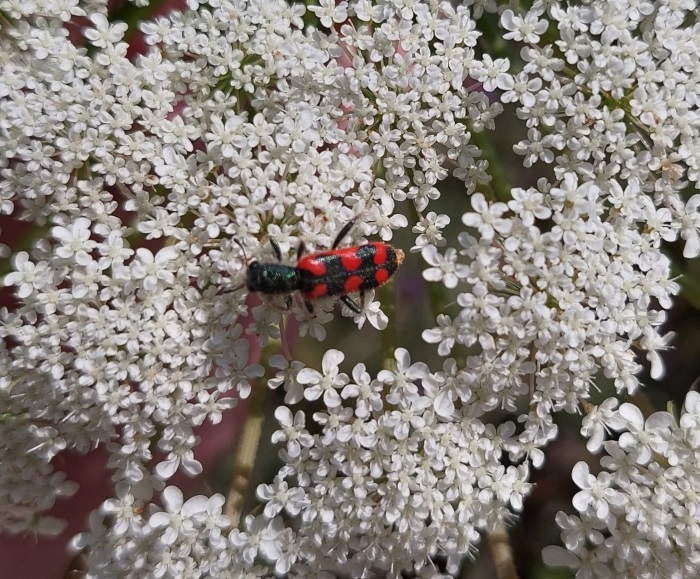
(335, 272)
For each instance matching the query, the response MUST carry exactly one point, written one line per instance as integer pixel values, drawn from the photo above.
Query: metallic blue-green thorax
(272, 278)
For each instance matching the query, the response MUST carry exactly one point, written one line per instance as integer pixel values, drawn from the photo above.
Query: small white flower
(690, 227)
(373, 314)
(75, 240)
(287, 377)
(595, 423)
(330, 12)
(402, 380)
(493, 73)
(29, 276)
(644, 437)
(154, 270)
(326, 384)
(314, 325)
(104, 33)
(260, 536)
(178, 520)
(278, 497)
(596, 493)
(528, 29)
(535, 147)
(445, 267)
(368, 392)
(444, 334)
(529, 205)
(293, 431)
(430, 229)
(487, 218)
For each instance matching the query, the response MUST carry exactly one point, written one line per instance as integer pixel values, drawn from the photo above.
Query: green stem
(436, 296)
(500, 185)
(248, 444)
(388, 336)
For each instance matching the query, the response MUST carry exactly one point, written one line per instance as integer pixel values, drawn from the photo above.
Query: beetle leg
(233, 289)
(342, 233)
(301, 250)
(276, 248)
(309, 306)
(351, 305)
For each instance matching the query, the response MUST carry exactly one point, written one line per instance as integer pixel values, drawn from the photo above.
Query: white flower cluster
(387, 483)
(568, 278)
(235, 125)
(548, 310)
(639, 516)
(182, 539)
(386, 486)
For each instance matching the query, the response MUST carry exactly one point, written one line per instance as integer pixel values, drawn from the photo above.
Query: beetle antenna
(343, 232)
(245, 257)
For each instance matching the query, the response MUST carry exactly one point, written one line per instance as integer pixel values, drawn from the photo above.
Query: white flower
(430, 231)
(293, 431)
(278, 496)
(690, 420)
(595, 423)
(154, 269)
(596, 493)
(527, 29)
(385, 219)
(177, 521)
(373, 313)
(350, 170)
(403, 379)
(444, 268)
(535, 147)
(113, 250)
(314, 324)
(368, 392)
(690, 226)
(74, 240)
(487, 218)
(644, 436)
(326, 384)
(529, 205)
(104, 33)
(261, 535)
(493, 73)
(653, 342)
(444, 334)
(330, 12)
(29, 276)
(287, 377)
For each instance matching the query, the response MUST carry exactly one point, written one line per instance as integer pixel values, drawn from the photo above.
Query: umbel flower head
(152, 180)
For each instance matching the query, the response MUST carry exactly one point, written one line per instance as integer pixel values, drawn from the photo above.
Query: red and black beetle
(336, 272)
